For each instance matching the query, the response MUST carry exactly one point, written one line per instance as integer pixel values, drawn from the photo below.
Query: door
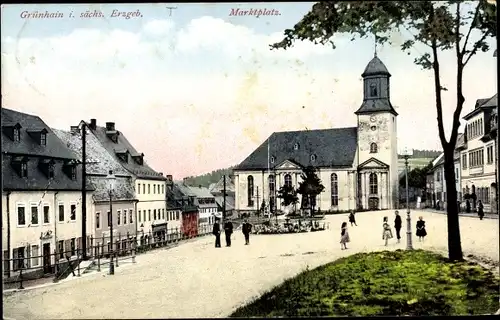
(373, 203)
(46, 258)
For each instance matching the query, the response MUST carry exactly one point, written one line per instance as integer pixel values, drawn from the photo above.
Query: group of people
(386, 229)
(228, 230)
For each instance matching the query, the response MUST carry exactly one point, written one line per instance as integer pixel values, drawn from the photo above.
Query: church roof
(331, 148)
(376, 105)
(375, 67)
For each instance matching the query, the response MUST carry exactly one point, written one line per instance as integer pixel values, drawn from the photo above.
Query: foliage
(288, 195)
(417, 178)
(396, 283)
(205, 180)
(434, 25)
(310, 186)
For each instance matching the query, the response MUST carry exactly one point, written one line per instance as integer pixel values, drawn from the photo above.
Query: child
(344, 236)
(387, 232)
(352, 218)
(421, 232)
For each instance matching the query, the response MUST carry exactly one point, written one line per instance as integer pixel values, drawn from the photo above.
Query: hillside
(424, 154)
(208, 178)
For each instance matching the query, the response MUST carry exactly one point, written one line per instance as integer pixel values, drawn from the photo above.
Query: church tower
(377, 141)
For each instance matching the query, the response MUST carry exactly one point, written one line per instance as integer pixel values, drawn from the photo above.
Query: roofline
(476, 111)
(372, 112)
(275, 169)
(106, 201)
(47, 189)
(37, 156)
(378, 73)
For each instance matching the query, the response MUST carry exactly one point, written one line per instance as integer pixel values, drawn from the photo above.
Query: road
(197, 280)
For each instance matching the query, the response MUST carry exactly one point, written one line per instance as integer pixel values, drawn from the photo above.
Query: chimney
(110, 126)
(184, 180)
(74, 130)
(93, 124)
(161, 173)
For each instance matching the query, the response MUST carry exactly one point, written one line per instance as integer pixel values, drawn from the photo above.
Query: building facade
(479, 155)
(149, 185)
(190, 216)
(42, 195)
(123, 217)
(358, 165)
(174, 205)
(217, 190)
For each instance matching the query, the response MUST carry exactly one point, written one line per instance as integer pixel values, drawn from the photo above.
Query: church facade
(357, 165)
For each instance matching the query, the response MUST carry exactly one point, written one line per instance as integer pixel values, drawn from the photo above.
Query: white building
(150, 186)
(41, 197)
(357, 165)
(479, 156)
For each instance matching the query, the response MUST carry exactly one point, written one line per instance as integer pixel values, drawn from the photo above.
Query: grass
(409, 283)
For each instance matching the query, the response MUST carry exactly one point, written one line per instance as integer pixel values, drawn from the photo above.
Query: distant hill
(208, 178)
(424, 154)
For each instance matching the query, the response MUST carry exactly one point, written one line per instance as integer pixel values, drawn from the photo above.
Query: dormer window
(313, 157)
(373, 90)
(39, 135)
(20, 165)
(69, 169)
(47, 167)
(111, 132)
(273, 159)
(139, 159)
(122, 155)
(296, 146)
(13, 131)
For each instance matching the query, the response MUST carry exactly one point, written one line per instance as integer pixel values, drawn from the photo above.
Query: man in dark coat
(352, 218)
(480, 210)
(228, 229)
(216, 233)
(246, 228)
(397, 225)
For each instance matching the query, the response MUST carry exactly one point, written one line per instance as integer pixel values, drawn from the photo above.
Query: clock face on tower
(373, 119)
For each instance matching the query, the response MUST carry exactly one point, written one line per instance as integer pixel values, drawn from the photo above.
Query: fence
(60, 263)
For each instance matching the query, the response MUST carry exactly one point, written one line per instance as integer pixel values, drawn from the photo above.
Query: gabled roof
(332, 148)
(141, 171)
(230, 201)
(373, 163)
(372, 105)
(482, 105)
(200, 192)
(123, 189)
(219, 186)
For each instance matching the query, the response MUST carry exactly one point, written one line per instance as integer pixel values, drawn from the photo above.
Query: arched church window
(373, 147)
(373, 90)
(373, 183)
(313, 157)
(250, 190)
(288, 180)
(335, 189)
(273, 159)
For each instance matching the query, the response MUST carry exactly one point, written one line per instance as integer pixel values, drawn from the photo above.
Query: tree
(288, 195)
(310, 187)
(436, 25)
(417, 178)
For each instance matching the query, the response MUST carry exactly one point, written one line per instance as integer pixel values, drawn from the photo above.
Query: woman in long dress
(387, 232)
(344, 236)
(421, 232)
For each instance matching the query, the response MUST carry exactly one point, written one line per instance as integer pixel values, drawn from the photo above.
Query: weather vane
(170, 12)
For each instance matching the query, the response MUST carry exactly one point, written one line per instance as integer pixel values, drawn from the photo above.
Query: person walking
(397, 225)
(344, 236)
(216, 233)
(387, 232)
(246, 228)
(352, 218)
(421, 232)
(480, 210)
(228, 230)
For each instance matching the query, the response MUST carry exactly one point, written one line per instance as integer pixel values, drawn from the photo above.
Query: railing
(59, 264)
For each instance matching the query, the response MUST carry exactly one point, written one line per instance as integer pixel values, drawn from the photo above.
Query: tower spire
(375, 47)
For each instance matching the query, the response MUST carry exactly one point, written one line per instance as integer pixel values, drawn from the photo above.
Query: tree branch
(476, 46)
(476, 14)
(437, 89)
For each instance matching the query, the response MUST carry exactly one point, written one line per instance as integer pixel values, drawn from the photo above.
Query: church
(357, 165)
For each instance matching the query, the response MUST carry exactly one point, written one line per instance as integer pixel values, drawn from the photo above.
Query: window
(334, 189)
(163, 213)
(61, 212)
(43, 139)
(19, 255)
(51, 171)
(177, 215)
(149, 188)
(373, 183)
(35, 260)
(296, 146)
(456, 174)
(144, 215)
(489, 154)
(154, 188)
(143, 188)
(60, 248)
(34, 214)
(373, 128)
(162, 189)
(118, 217)
(24, 169)
(169, 215)
(250, 190)
(125, 216)
(313, 157)
(271, 183)
(149, 214)
(288, 180)
(272, 159)
(98, 220)
(476, 158)
(487, 195)
(373, 90)
(21, 215)
(464, 161)
(72, 216)
(73, 172)
(46, 213)
(138, 188)
(154, 214)
(130, 215)
(17, 135)
(73, 246)
(110, 218)
(373, 147)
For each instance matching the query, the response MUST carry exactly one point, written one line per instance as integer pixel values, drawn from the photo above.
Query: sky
(197, 89)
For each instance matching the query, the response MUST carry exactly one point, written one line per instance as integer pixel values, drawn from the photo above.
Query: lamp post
(111, 186)
(409, 244)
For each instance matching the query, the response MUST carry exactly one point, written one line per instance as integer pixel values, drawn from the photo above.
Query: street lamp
(409, 246)
(111, 186)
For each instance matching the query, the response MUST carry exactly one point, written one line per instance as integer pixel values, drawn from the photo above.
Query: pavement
(197, 280)
(462, 214)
